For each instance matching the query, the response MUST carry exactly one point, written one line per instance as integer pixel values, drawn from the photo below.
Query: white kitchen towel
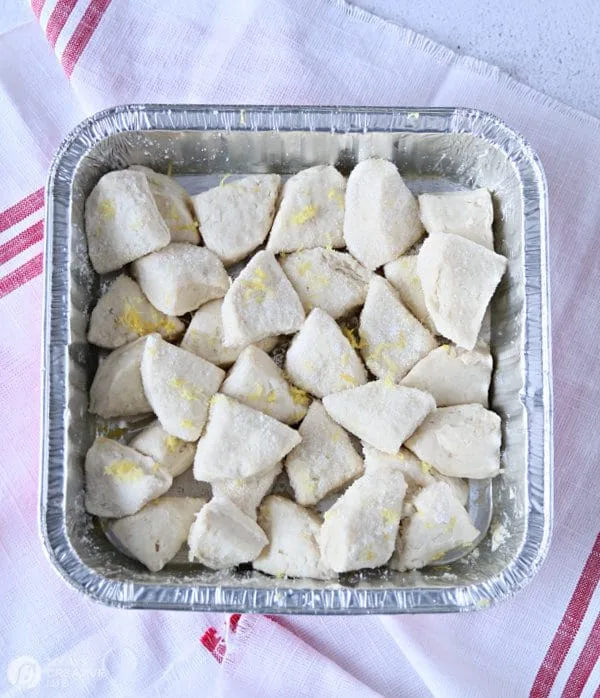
(54, 641)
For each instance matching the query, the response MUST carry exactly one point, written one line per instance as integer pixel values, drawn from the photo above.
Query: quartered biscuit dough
(402, 274)
(173, 454)
(247, 493)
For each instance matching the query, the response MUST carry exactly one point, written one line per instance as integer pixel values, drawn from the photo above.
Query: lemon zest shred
(187, 391)
(304, 215)
(299, 396)
(124, 470)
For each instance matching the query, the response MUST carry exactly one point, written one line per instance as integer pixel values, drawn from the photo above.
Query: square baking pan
(435, 150)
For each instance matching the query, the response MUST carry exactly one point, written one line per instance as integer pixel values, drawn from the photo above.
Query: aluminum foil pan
(435, 149)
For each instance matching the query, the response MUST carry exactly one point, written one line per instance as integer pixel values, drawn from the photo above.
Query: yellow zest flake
(388, 381)
(404, 263)
(439, 556)
(112, 433)
(336, 435)
(337, 196)
(256, 393)
(271, 396)
(172, 443)
(124, 470)
(187, 391)
(345, 360)
(280, 575)
(347, 378)
(415, 281)
(392, 366)
(214, 399)
(446, 348)
(187, 424)
(451, 524)
(133, 320)
(401, 341)
(255, 288)
(304, 215)
(136, 225)
(185, 227)
(300, 397)
(155, 467)
(106, 208)
(426, 467)
(224, 179)
(368, 554)
(329, 246)
(389, 516)
(330, 513)
(355, 343)
(304, 268)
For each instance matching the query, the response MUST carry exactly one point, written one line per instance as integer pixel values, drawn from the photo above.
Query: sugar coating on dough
(181, 277)
(324, 460)
(179, 386)
(235, 217)
(380, 413)
(117, 389)
(124, 313)
(382, 216)
(155, 534)
(466, 213)
(327, 279)
(392, 340)
(460, 441)
(173, 454)
(240, 442)
(257, 381)
(261, 303)
(247, 493)
(119, 481)
(293, 533)
(320, 358)
(311, 213)
(402, 274)
(459, 278)
(223, 536)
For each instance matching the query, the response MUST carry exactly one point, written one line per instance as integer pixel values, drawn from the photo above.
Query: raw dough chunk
(247, 493)
(453, 376)
(326, 279)
(360, 529)
(311, 213)
(392, 340)
(293, 533)
(179, 386)
(459, 278)
(466, 213)
(174, 204)
(461, 441)
(223, 536)
(258, 382)
(240, 442)
(181, 277)
(325, 459)
(122, 221)
(382, 414)
(117, 389)
(156, 533)
(438, 525)
(402, 274)
(236, 218)
(119, 480)
(261, 303)
(320, 358)
(124, 314)
(173, 454)
(382, 216)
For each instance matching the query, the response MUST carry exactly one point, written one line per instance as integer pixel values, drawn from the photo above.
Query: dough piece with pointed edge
(320, 358)
(261, 303)
(459, 278)
(311, 213)
(324, 461)
(380, 413)
(439, 524)
(453, 376)
(327, 279)
(235, 218)
(466, 213)
(223, 536)
(119, 481)
(155, 534)
(117, 389)
(382, 216)
(122, 221)
(247, 493)
(240, 442)
(123, 314)
(173, 454)
(258, 382)
(402, 274)
(181, 277)
(460, 441)
(179, 386)
(174, 204)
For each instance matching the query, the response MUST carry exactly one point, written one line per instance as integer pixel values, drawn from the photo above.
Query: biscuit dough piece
(261, 303)
(240, 442)
(258, 382)
(223, 536)
(235, 218)
(247, 493)
(460, 441)
(181, 277)
(402, 274)
(392, 340)
(173, 454)
(382, 216)
(119, 481)
(117, 389)
(311, 213)
(320, 358)
(124, 313)
(384, 415)
(179, 386)
(326, 279)
(324, 460)
(122, 221)
(155, 534)
(459, 278)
